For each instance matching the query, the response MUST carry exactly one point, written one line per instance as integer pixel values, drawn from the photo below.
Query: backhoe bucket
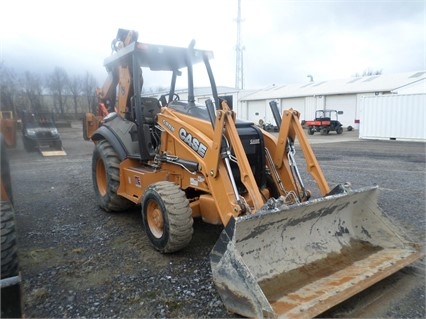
(299, 261)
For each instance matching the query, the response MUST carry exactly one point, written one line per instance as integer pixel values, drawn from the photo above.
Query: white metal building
(343, 95)
(380, 106)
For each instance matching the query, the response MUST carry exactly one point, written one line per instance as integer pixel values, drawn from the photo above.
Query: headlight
(31, 132)
(55, 131)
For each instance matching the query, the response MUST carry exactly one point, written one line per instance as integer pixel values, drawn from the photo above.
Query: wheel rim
(101, 178)
(155, 219)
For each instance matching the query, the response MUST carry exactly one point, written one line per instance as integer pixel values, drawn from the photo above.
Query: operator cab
(199, 110)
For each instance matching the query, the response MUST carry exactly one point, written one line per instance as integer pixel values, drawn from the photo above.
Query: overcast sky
(284, 40)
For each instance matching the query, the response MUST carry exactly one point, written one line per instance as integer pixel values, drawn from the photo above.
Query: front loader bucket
(299, 261)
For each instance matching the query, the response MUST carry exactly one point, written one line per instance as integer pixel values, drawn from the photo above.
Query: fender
(105, 133)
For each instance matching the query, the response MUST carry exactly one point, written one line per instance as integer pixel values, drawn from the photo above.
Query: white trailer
(393, 117)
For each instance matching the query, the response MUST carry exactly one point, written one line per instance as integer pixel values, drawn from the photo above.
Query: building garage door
(312, 103)
(256, 111)
(305, 105)
(345, 103)
(297, 103)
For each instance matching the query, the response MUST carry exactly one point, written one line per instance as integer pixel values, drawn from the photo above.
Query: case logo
(193, 142)
(254, 141)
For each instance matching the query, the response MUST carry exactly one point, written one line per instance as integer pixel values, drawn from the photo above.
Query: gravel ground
(78, 261)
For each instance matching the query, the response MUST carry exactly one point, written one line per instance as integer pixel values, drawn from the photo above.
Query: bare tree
(32, 85)
(368, 72)
(76, 88)
(58, 84)
(156, 89)
(89, 90)
(8, 88)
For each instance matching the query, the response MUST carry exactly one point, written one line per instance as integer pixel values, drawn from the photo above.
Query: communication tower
(239, 70)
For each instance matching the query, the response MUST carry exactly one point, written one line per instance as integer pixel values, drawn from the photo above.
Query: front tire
(106, 178)
(167, 217)
(9, 256)
(29, 145)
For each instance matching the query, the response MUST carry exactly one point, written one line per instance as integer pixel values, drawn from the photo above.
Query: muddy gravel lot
(79, 261)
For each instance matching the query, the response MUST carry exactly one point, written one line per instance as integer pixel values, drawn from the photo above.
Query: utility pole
(239, 69)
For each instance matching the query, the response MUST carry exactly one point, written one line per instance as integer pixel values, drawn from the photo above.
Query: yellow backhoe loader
(281, 253)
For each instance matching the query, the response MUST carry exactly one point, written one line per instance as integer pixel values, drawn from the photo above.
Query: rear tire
(311, 131)
(57, 145)
(9, 256)
(106, 178)
(167, 217)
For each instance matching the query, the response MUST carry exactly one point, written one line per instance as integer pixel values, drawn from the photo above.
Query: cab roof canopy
(158, 57)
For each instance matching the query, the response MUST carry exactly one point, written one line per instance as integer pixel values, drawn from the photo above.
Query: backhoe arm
(119, 75)
(107, 94)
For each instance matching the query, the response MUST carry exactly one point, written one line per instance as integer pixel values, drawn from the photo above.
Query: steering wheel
(163, 98)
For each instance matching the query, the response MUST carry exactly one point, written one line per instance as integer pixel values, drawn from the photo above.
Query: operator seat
(150, 107)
